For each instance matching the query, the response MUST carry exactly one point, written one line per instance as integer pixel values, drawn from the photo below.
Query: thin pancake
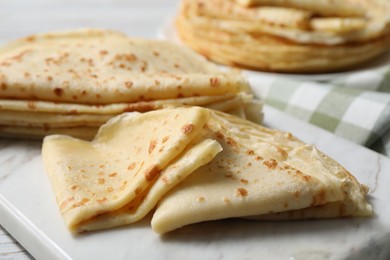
(37, 133)
(123, 162)
(284, 36)
(37, 123)
(375, 14)
(110, 109)
(102, 67)
(268, 53)
(187, 162)
(260, 171)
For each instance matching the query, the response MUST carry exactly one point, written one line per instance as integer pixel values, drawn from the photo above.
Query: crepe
(265, 18)
(37, 106)
(192, 165)
(101, 67)
(286, 36)
(37, 133)
(134, 159)
(80, 125)
(264, 173)
(325, 7)
(82, 78)
(50, 120)
(272, 54)
(83, 121)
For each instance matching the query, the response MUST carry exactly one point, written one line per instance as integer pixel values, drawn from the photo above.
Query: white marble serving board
(29, 212)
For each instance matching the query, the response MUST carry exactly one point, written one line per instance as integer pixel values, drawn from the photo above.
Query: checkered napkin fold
(356, 106)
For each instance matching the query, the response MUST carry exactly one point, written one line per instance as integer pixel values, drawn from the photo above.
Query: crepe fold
(50, 83)
(134, 159)
(286, 36)
(189, 165)
(260, 174)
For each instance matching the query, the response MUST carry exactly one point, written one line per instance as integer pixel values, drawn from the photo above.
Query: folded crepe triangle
(261, 174)
(134, 159)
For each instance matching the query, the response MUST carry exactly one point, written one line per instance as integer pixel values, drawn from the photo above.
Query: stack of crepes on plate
(299, 36)
(191, 164)
(72, 82)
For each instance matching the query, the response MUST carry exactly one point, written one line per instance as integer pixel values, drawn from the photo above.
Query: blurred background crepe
(352, 105)
(286, 36)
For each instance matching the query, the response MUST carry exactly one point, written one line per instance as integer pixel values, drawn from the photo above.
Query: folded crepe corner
(260, 174)
(118, 177)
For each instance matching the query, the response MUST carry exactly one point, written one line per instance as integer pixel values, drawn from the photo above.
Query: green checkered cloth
(356, 106)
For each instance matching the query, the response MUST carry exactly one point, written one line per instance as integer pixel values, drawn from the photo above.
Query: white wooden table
(10, 248)
(18, 18)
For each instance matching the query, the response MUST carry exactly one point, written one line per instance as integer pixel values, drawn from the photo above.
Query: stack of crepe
(193, 165)
(72, 82)
(286, 35)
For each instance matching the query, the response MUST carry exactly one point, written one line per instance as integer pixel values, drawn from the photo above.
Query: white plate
(168, 32)
(29, 212)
